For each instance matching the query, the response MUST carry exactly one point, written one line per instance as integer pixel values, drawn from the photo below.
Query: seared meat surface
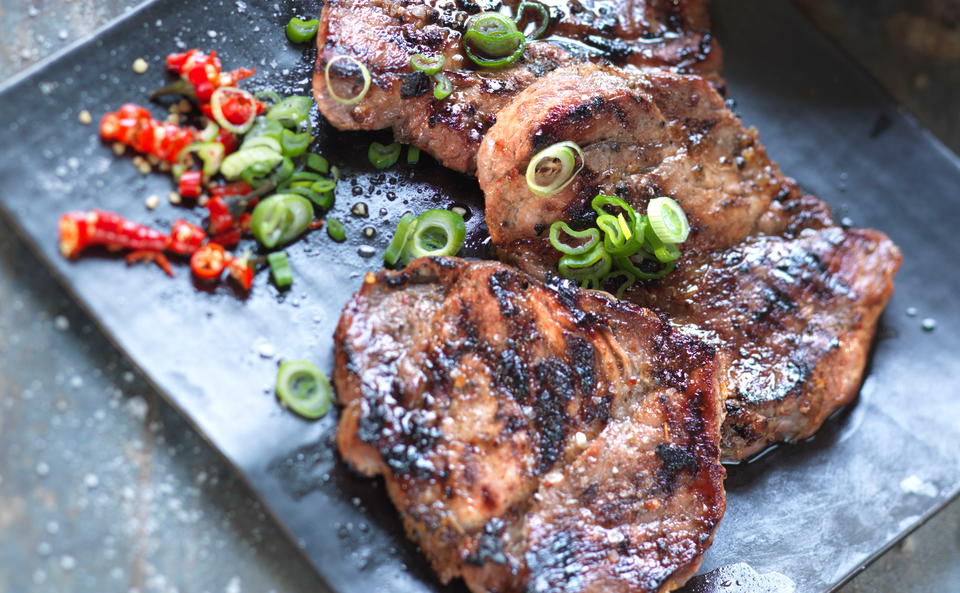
(765, 276)
(384, 34)
(534, 437)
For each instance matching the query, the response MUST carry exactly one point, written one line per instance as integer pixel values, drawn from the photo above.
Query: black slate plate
(815, 512)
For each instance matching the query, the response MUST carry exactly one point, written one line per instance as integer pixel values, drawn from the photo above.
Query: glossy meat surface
(384, 34)
(534, 437)
(765, 276)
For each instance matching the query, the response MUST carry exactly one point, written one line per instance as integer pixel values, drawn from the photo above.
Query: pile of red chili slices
(246, 160)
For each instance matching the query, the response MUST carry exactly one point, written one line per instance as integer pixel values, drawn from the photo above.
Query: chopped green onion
(383, 156)
(318, 163)
(427, 65)
(444, 87)
(336, 231)
(209, 132)
(323, 185)
(268, 141)
(363, 71)
(588, 267)
(664, 252)
(628, 264)
(629, 279)
(413, 155)
(264, 127)
(216, 106)
(592, 236)
(542, 15)
(235, 164)
(301, 31)
(668, 220)
(291, 111)
(408, 222)
(494, 35)
(554, 168)
(211, 153)
(303, 388)
(437, 233)
(280, 269)
(280, 218)
(268, 96)
(295, 144)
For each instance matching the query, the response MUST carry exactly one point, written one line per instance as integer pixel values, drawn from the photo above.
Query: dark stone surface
(104, 488)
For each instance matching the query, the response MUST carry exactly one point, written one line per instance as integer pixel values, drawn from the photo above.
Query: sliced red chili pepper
(229, 238)
(229, 141)
(185, 238)
(150, 256)
(244, 220)
(237, 188)
(190, 183)
(241, 269)
(221, 219)
(208, 262)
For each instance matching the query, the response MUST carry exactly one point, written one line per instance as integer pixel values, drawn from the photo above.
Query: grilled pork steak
(384, 34)
(765, 276)
(535, 437)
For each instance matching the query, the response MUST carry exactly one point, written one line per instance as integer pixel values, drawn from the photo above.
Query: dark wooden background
(103, 488)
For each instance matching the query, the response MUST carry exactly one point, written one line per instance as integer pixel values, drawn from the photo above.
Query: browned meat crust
(384, 34)
(535, 437)
(765, 275)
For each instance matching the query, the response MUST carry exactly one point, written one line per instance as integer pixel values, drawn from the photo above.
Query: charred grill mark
(675, 459)
(581, 354)
(553, 564)
(414, 84)
(555, 390)
(403, 437)
(498, 286)
(512, 374)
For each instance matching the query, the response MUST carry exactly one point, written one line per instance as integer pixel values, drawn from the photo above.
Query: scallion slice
(336, 231)
(303, 388)
(543, 18)
(668, 220)
(384, 155)
(291, 111)
(664, 252)
(443, 88)
(495, 36)
(301, 31)
(554, 168)
(294, 144)
(365, 73)
(268, 141)
(413, 155)
(235, 164)
(586, 268)
(281, 218)
(429, 65)
(211, 153)
(318, 163)
(592, 237)
(280, 269)
(405, 227)
(264, 127)
(437, 233)
(624, 278)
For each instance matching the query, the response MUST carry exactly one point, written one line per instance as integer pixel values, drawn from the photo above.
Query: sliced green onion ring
(323, 185)
(592, 236)
(443, 88)
(209, 133)
(303, 388)
(336, 231)
(668, 220)
(211, 153)
(627, 263)
(235, 164)
(384, 155)
(589, 266)
(429, 65)
(408, 222)
(267, 96)
(554, 168)
(318, 163)
(291, 111)
(281, 218)
(268, 141)
(438, 233)
(629, 279)
(542, 14)
(216, 106)
(494, 35)
(366, 80)
(301, 31)
(280, 269)
(413, 155)
(295, 144)
(664, 252)
(264, 127)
